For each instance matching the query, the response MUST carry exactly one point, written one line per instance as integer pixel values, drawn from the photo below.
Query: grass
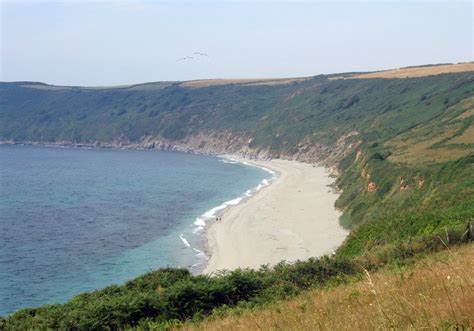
(244, 81)
(437, 140)
(466, 137)
(406, 171)
(436, 292)
(280, 119)
(419, 71)
(416, 147)
(467, 108)
(169, 297)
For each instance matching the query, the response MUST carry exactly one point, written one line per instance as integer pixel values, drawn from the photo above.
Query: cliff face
(221, 143)
(229, 143)
(319, 119)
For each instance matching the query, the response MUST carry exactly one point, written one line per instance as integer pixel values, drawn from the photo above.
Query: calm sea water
(74, 220)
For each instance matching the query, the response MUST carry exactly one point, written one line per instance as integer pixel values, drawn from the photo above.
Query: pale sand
(293, 218)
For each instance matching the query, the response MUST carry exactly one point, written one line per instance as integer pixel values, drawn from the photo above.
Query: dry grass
(466, 114)
(467, 105)
(244, 81)
(435, 293)
(467, 137)
(420, 71)
(422, 153)
(414, 71)
(415, 146)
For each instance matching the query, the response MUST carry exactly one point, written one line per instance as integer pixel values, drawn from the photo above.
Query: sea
(76, 219)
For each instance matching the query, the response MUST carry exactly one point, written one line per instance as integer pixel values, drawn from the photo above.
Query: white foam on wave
(267, 170)
(200, 254)
(228, 161)
(233, 202)
(211, 213)
(258, 166)
(199, 222)
(264, 183)
(184, 240)
(233, 161)
(198, 229)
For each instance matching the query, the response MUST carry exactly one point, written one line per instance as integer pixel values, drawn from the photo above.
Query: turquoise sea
(74, 220)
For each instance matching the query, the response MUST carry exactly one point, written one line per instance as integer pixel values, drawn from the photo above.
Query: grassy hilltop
(402, 141)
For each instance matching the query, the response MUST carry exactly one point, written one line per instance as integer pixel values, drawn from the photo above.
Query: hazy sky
(121, 42)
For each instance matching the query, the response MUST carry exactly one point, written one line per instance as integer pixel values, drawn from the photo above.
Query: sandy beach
(293, 218)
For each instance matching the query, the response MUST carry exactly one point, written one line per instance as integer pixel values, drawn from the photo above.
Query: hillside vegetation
(435, 293)
(165, 298)
(404, 150)
(305, 117)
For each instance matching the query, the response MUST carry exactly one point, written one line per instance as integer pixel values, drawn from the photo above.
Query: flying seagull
(201, 54)
(185, 58)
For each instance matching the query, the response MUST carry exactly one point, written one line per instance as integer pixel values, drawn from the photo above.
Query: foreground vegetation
(167, 297)
(435, 293)
(404, 149)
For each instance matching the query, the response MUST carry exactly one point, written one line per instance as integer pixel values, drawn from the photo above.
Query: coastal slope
(402, 145)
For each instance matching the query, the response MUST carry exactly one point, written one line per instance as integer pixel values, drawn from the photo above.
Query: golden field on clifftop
(393, 73)
(420, 71)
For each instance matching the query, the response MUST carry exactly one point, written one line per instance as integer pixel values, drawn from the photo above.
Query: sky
(117, 42)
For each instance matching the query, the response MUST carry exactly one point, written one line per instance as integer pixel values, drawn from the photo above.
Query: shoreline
(204, 221)
(276, 245)
(291, 219)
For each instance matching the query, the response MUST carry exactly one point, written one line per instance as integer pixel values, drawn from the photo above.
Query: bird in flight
(185, 58)
(201, 54)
